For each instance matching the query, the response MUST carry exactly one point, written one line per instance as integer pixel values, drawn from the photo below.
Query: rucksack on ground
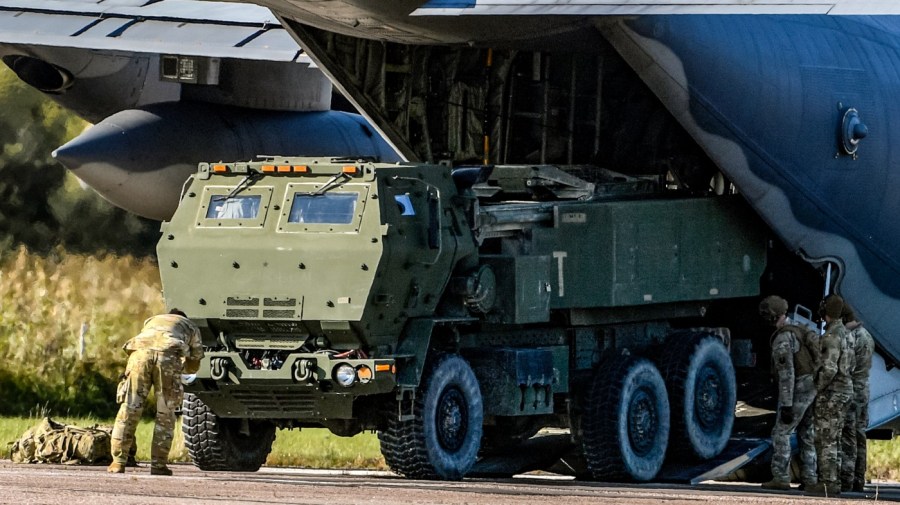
(53, 442)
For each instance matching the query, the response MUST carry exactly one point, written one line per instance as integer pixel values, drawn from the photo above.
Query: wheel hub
(708, 402)
(642, 421)
(452, 419)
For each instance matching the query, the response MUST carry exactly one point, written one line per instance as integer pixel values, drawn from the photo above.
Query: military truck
(457, 311)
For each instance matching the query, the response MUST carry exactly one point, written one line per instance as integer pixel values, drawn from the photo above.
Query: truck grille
(288, 402)
(251, 310)
(273, 302)
(242, 302)
(251, 313)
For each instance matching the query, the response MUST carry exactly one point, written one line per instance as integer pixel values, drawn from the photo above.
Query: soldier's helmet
(833, 306)
(772, 307)
(847, 315)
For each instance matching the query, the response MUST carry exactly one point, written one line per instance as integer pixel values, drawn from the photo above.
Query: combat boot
(160, 470)
(781, 485)
(115, 467)
(823, 489)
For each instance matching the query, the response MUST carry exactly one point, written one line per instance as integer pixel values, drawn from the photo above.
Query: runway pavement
(73, 485)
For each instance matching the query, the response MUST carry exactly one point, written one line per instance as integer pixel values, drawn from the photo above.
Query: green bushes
(63, 320)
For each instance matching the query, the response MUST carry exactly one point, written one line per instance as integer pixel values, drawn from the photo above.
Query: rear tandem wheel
(626, 420)
(702, 391)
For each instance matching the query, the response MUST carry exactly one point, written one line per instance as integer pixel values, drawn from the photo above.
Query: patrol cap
(772, 307)
(834, 305)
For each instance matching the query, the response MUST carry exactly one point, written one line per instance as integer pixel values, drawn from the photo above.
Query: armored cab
(456, 311)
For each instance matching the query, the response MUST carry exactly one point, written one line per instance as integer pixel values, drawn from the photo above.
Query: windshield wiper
(245, 183)
(331, 184)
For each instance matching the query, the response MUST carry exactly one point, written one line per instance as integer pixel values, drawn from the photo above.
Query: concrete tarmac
(73, 485)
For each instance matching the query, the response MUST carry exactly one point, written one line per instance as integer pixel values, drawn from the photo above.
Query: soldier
(794, 365)
(167, 345)
(834, 389)
(853, 439)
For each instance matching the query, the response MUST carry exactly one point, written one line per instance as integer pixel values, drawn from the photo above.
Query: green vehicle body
(298, 268)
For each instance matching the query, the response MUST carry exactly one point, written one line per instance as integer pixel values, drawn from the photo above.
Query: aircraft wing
(171, 83)
(650, 7)
(185, 27)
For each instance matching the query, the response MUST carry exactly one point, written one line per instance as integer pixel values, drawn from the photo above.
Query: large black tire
(217, 444)
(626, 420)
(702, 388)
(443, 438)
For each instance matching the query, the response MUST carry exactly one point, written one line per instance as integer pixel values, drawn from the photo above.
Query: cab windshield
(327, 208)
(235, 207)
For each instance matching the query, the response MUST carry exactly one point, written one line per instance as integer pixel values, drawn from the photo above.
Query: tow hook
(303, 370)
(218, 368)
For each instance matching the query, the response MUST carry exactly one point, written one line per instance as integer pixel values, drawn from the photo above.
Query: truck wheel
(442, 439)
(626, 420)
(218, 444)
(702, 391)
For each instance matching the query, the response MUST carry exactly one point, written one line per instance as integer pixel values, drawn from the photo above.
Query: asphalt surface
(71, 485)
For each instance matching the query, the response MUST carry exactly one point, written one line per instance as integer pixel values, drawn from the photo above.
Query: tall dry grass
(63, 320)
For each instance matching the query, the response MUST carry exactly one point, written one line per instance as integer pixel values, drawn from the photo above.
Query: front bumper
(302, 388)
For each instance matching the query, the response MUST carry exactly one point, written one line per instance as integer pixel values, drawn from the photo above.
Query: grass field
(309, 448)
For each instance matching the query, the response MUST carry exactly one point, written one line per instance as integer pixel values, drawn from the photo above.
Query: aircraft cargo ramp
(554, 453)
(745, 457)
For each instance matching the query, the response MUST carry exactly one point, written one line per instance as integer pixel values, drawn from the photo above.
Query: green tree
(43, 205)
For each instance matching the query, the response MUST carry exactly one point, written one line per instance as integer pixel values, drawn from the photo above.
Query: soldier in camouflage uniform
(834, 388)
(167, 346)
(794, 364)
(853, 439)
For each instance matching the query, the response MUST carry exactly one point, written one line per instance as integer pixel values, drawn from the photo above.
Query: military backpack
(53, 442)
(806, 354)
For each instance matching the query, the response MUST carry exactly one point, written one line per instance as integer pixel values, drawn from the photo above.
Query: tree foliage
(42, 205)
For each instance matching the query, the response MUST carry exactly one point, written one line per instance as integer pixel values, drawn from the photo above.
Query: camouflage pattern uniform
(167, 345)
(794, 364)
(853, 440)
(834, 390)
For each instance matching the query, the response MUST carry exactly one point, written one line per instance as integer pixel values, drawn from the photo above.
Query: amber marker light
(268, 168)
(383, 368)
(219, 168)
(302, 169)
(364, 374)
(284, 168)
(351, 170)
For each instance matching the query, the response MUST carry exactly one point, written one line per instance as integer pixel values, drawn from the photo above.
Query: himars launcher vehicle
(458, 311)
(794, 112)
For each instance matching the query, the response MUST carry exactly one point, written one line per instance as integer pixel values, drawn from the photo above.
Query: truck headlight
(345, 375)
